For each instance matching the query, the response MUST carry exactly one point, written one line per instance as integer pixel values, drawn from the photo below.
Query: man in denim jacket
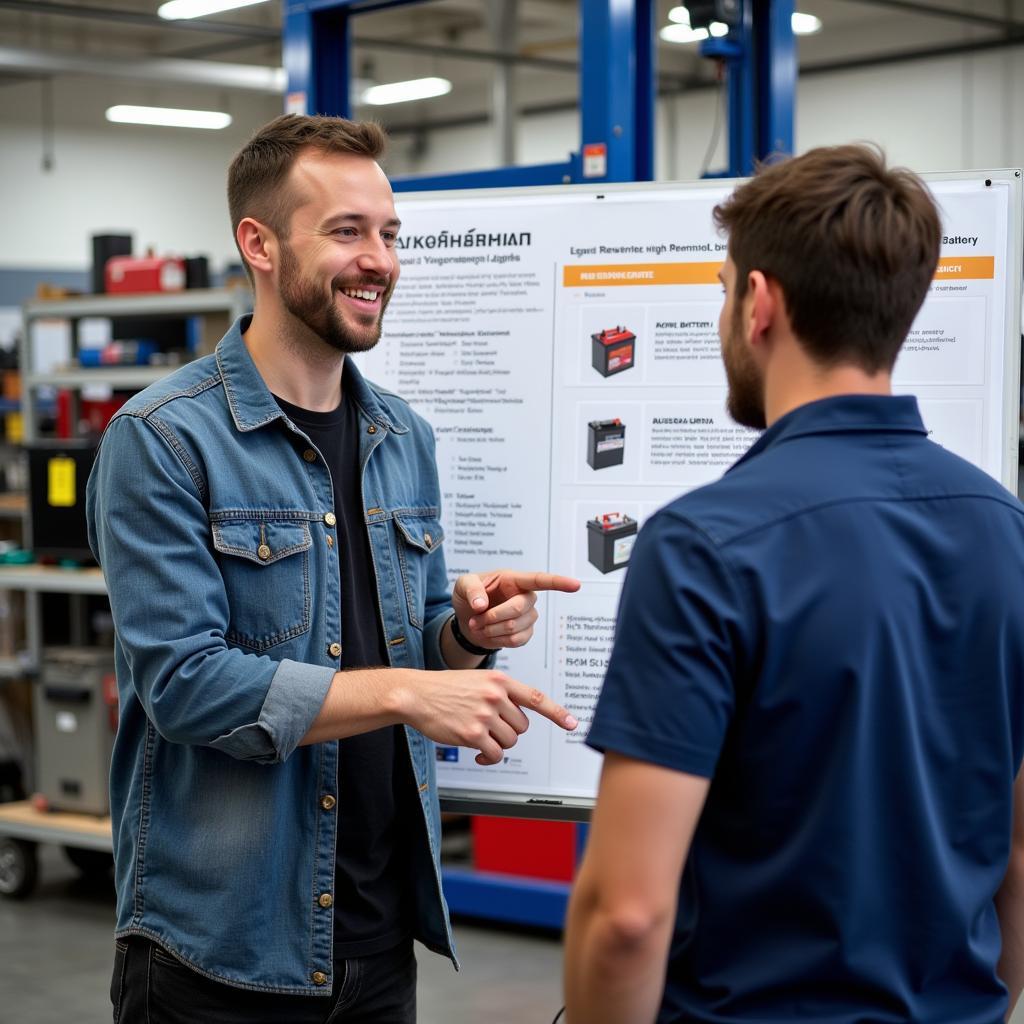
(268, 525)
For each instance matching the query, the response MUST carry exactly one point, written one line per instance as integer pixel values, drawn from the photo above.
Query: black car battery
(57, 475)
(610, 539)
(613, 350)
(606, 443)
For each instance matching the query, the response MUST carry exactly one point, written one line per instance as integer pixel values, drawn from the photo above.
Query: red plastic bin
(530, 849)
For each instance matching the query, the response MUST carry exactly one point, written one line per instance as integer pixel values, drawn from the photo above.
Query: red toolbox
(532, 849)
(144, 274)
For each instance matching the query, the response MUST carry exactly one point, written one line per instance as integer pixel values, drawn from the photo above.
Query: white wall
(539, 140)
(942, 114)
(167, 186)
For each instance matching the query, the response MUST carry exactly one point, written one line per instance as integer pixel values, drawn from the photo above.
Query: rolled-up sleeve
(150, 533)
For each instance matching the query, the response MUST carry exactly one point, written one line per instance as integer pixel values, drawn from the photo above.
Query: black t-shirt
(376, 811)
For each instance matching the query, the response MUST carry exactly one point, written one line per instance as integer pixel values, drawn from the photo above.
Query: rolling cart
(87, 841)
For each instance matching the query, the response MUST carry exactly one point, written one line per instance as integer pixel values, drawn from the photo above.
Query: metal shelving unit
(118, 377)
(13, 505)
(21, 825)
(48, 579)
(191, 302)
(215, 310)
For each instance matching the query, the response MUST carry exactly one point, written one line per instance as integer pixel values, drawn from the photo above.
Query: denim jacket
(210, 512)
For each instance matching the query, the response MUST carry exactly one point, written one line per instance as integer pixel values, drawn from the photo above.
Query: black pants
(149, 986)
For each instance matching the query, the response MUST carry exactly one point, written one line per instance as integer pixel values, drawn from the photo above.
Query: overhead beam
(271, 34)
(700, 84)
(1012, 39)
(220, 46)
(949, 13)
(119, 14)
(248, 77)
(465, 53)
(435, 50)
(487, 56)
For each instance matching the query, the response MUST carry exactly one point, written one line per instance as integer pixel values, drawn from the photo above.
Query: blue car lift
(759, 54)
(617, 93)
(616, 89)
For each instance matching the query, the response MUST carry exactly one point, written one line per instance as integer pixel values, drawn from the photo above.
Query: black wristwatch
(469, 648)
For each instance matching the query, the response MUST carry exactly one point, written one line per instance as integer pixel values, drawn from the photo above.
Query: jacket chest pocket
(265, 565)
(419, 536)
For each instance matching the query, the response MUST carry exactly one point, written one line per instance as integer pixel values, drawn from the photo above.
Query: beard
(306, 301)
(745, 403)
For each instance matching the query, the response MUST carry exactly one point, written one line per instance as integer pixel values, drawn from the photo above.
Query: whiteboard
(523, 316)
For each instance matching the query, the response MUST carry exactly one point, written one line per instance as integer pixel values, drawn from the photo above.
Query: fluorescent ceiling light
(403, 92)
(681, 32)
(175, 10)
(168, 117)
(805, 24)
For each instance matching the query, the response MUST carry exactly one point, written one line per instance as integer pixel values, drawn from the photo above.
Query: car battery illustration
(610, 539)
(606, 443)
(613, 350)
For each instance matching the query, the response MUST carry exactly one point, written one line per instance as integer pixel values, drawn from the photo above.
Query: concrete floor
(56, 948)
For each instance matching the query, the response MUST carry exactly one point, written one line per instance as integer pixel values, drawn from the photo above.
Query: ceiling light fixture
(176, 10)
(168, 117)
(403, 92)
(805, 24)
(680, 31)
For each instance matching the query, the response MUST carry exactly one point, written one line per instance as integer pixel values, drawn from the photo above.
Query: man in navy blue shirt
(814, 711)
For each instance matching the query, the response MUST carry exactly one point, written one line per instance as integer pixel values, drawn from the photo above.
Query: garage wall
(942, 114)
(167, 186)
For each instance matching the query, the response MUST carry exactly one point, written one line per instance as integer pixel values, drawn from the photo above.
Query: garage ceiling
(240, 50)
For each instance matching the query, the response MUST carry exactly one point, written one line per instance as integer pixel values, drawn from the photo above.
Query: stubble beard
(745, 402)
(305, 300)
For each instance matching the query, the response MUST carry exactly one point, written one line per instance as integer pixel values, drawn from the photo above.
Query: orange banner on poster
(966, 268)
(598, 275)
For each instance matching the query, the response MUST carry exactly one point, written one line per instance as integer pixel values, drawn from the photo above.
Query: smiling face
(338, 265)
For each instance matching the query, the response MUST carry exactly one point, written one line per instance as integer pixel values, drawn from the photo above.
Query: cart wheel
(91, 863)
(19, 868)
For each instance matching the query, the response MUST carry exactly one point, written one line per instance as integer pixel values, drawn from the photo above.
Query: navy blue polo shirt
(833, 633)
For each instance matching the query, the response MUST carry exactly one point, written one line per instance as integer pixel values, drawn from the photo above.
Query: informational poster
(564, 345)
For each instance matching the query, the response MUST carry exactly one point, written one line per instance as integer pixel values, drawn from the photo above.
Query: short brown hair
(852, 243)
(257, 174)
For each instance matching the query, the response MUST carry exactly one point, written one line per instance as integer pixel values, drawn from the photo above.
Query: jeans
(149, 986)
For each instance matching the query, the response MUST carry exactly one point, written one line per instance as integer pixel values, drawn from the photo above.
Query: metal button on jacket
(334, 650)
(371, 429)
(330, 519)
(427, 539)
(319, 978)
(326, 900)
(264, 552)
(327, 802)
(330, 541)
(309, 455)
